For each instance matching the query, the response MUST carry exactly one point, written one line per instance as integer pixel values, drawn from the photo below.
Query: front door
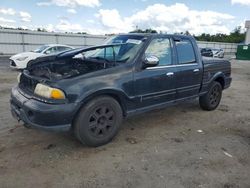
(156, 85)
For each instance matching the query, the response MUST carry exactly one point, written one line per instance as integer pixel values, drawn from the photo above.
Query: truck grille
(27, 84)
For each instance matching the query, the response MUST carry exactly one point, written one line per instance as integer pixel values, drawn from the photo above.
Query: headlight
(18, 77)
(49, 92)
(22, 58)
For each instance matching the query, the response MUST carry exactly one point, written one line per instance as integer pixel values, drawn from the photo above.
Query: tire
(212, 98)
(98, 121)
(27, 125)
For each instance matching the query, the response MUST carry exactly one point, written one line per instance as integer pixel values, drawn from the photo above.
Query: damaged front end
(50, 88)
(118, 50)
(42, 75)
(73, 63)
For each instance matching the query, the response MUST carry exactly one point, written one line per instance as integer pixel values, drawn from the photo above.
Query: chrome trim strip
(186, 87)
(157, 96)
(159, 93)
(168, 66)
(158, 105)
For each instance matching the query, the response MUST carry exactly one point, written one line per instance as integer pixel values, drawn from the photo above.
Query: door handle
(170, 74)
(196, 70)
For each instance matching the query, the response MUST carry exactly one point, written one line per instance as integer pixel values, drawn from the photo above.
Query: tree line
(236, 36)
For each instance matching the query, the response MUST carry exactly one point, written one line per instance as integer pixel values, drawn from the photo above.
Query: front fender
(119, 95)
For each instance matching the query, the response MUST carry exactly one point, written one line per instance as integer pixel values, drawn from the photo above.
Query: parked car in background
(207, 52)
(20, 61)
(218, 52)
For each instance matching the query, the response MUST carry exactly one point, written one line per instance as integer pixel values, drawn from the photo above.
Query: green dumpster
(243, 52)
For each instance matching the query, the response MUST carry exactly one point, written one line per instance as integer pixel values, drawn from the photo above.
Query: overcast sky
(119, 16)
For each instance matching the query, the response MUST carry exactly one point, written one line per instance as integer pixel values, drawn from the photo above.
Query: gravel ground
(180, 146)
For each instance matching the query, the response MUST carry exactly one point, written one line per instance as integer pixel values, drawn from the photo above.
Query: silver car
(218, 52)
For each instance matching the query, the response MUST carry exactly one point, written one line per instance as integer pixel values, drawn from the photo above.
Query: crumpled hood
(65, 55)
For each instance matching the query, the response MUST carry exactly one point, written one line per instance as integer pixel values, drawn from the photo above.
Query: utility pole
(247, 26)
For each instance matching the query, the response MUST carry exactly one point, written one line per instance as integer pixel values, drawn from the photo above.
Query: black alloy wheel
(101, 121)
(212, 98)
(98, 121)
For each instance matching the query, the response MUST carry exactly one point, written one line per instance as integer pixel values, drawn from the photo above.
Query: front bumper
(40, 115)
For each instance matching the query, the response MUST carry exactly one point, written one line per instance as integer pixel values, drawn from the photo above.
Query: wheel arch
(219, 77)
(119, 96)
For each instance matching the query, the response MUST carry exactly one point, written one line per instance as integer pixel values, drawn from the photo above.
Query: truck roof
(156, 34)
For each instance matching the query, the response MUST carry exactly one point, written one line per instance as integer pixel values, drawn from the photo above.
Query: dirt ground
(180, 146)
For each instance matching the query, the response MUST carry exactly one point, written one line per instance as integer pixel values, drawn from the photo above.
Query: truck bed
(212, 66)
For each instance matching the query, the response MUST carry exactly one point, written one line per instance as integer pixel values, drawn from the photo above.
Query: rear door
(189, 74)
(155, 85)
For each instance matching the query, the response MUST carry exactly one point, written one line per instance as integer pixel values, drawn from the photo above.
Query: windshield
(125, 48)
(41, 48)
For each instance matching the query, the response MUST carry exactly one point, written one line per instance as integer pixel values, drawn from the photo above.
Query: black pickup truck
(91, 90)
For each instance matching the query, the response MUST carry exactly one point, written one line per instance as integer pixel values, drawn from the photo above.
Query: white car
(218, 52)
(20, 61)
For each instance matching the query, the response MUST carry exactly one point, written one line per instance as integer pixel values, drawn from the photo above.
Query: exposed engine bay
(66, 68)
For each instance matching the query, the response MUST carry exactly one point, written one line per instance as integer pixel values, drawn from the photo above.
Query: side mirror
(151, 61)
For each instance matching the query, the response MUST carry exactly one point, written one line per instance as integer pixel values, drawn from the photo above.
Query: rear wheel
(212, 98)
(27, 125)
(98, 121)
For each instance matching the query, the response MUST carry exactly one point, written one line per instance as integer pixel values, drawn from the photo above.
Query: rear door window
(185, 51)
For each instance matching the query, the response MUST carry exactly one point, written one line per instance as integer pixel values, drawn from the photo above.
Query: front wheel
(212, 98)
(27, 125)
(98, 121)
